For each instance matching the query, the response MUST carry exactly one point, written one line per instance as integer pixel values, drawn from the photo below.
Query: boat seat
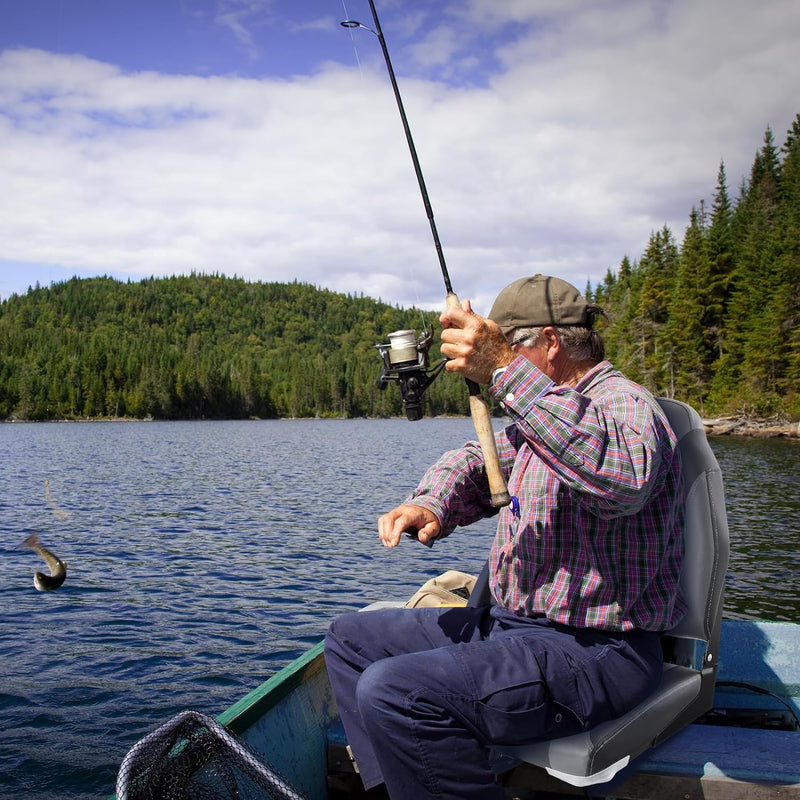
(691, 648)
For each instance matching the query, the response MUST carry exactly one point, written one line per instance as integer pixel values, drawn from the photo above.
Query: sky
(259, 138)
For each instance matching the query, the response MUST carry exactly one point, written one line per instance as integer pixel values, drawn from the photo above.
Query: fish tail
(31, 541)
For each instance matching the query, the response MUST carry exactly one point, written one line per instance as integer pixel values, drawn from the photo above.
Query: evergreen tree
(786, 295)
(658, 267)
(750, 365)
(621, 299)
(715, 291)
(684, 349)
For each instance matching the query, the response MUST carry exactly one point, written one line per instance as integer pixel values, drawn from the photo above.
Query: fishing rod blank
(478, 408)
(351, 23)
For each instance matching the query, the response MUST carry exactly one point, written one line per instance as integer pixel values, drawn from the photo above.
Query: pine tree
(715, 290)
(787, 294)
(621, 298)
(750, 366)
(658, 267)
(684, 348)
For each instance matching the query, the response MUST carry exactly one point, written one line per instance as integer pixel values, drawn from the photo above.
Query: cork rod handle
(479, 411)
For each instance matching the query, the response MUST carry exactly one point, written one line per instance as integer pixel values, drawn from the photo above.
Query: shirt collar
(595, 375)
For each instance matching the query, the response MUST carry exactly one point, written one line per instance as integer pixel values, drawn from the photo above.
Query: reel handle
(479, 411)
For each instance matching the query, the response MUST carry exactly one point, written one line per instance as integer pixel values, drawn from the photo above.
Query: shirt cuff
(519, 384)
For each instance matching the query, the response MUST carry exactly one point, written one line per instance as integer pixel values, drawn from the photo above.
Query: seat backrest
(706, 539)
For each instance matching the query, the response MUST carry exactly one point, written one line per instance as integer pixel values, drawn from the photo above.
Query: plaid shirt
(596, 540)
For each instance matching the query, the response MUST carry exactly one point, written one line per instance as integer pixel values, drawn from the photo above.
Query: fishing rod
(412, 372)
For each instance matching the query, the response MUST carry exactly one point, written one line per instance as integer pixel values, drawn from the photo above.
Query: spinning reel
(405, 360)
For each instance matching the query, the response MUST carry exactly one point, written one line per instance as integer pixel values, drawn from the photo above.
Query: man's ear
(553, 342)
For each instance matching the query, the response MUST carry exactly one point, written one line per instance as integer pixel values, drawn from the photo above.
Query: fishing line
(353, 40)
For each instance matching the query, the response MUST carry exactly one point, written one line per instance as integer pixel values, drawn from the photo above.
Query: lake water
(204, 556)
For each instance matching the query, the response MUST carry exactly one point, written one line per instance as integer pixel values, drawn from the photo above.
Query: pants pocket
(526, 713)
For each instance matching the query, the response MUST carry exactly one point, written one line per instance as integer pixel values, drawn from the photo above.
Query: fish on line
(57, 567)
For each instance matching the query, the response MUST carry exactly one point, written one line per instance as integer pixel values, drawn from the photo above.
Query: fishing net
(192, 757)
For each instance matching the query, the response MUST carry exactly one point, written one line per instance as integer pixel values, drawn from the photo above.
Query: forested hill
(200, 347)
(716, 320)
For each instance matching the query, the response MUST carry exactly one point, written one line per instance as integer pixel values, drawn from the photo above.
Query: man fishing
(584, 565)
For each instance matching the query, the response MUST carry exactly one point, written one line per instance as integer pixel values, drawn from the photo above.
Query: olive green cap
(539, 301)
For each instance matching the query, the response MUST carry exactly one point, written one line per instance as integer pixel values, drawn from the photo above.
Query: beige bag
(451, 588)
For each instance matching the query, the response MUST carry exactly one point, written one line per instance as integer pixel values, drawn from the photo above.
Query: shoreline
(752, 427)
(720, 426)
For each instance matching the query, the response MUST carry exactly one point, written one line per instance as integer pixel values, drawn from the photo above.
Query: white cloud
(595, 125)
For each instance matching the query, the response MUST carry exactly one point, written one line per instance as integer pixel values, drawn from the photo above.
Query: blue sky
(259, 138)
(181, 36)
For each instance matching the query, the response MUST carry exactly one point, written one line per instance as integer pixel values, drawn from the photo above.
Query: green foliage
(716, 322)
(201, 347)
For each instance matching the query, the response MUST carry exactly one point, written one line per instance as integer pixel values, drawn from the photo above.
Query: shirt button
(558, 718)
(509, 398)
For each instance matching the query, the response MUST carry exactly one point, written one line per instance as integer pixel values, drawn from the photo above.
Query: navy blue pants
(423, 692)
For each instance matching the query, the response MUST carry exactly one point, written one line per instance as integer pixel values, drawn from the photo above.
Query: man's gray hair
(579, 342)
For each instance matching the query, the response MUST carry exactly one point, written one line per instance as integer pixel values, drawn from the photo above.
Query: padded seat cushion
(577, 755)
